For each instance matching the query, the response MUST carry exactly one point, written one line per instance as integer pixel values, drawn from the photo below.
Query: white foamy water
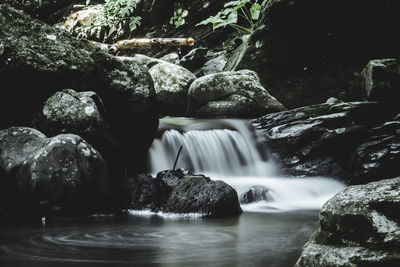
(167, 215)
(230, 150)
(286, 194)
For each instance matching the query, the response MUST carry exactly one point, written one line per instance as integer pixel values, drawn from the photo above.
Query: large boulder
(381, 81)
(37, 60)
(308, 50)
(171, 83)
(319, 140)
(68, 111)
(62, 173)
(231, 94)
(358, 227)
(183, 192)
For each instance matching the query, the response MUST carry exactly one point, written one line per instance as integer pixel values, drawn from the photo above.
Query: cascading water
(229, 150)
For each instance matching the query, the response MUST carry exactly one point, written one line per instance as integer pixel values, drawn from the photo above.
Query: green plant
(249, 10)
(119, 16)
(178, 19)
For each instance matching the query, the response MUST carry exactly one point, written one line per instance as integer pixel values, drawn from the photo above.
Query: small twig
(177, 157)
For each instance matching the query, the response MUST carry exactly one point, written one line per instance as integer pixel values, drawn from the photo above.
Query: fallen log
(145, 42)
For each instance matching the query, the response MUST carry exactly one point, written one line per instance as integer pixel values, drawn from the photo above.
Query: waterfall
(230, 150)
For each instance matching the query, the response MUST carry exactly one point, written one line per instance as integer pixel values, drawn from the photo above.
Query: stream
(270, 232)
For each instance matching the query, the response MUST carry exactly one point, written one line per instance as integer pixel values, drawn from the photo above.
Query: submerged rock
(183, 192)
(255, 194)
(64, 171)
(230, 94)
(359, 226)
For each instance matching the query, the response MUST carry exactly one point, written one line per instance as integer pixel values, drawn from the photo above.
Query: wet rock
(39, 60)
(304, 54)
(199, 194)
(183, 192)
(64, 171)
(319, 140)
(379, 155)
(359, 226)
(171, 83)
(233, 94)
(147, 192)
(255, 194)
(381, 81)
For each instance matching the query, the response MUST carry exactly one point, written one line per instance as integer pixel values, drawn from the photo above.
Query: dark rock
(68, 111)
(199, 194)
(381, 81)
(171, 83)
(195, 58)
(64, 171)
(233, 94)
(305, 54)
(183, 192)
(379, 155)
(319, 140)
(358, 227)
(44, 9)
(255, 194)
(147, 192)
(39, 60)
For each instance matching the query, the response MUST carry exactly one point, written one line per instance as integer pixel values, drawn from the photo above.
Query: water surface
(252, 239)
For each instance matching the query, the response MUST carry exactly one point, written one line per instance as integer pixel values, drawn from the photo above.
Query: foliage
(119, 16)
(249, 10)
(178, 19)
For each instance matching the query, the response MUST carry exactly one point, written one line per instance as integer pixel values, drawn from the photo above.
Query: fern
(119, 16)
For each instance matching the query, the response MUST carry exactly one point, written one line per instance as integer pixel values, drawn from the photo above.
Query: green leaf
(112, 30)
(255, 11)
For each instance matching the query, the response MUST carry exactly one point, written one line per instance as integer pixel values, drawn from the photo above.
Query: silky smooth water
(253, 239)
(268, 233)
(231, 150)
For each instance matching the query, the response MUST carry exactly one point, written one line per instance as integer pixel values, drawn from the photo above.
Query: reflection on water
(253, 239)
